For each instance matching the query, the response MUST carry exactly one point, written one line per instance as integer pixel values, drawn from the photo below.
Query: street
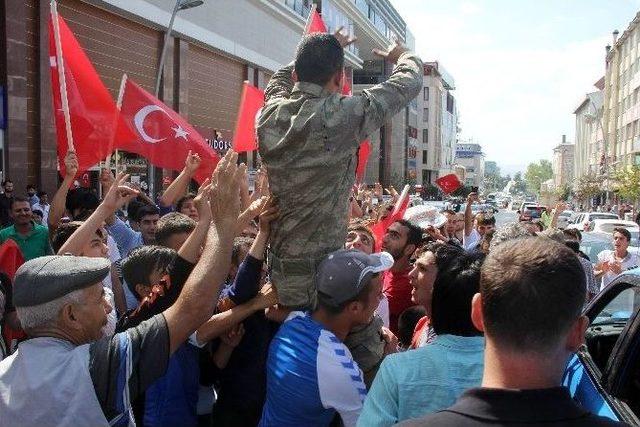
(505, 216)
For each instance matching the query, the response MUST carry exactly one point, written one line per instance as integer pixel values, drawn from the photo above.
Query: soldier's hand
(393, 52)
(343, 38)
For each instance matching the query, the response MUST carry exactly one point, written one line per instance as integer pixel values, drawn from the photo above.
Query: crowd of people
(281, 306)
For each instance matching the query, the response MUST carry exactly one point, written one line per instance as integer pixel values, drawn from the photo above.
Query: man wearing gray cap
(65, 374)
(310, 372)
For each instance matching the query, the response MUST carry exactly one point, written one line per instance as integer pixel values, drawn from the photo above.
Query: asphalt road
(505, 216)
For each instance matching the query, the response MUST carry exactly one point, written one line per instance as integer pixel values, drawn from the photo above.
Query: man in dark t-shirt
(532, 291)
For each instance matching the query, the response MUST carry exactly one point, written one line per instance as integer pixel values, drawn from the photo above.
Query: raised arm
(468, 216)
(384, 100)
(190, 250)
(560, 207)
(58, 203)
(118, 196)
(197, 299)
(179, 185)
(281, 84)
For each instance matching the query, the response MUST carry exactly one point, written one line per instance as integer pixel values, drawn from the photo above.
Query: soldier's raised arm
(281, 84)
(381, 102)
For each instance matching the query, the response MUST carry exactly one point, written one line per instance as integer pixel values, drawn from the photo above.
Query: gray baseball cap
(343, 273)
(47, 278)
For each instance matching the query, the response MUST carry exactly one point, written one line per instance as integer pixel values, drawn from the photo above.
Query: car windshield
(620, 309)
(602, 216)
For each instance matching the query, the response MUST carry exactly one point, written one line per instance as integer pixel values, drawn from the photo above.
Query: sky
(521, 67)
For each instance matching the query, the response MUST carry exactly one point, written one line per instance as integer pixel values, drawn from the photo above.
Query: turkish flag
(251, 102)
(448, 183)
(148, 127)
(91, 108)
(380, 228)
(315, 24)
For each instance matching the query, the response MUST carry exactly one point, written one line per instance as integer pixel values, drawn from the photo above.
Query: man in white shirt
(473, 232)
(613, 262)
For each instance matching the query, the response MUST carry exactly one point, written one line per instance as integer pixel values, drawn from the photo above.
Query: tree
(587, 186)
(519, 185)
(536, 174)
(564, 192)
(628, 182)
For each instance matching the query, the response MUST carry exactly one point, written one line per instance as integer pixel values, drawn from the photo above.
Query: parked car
(531, 212)
(607, 225)
(525, 204)
(584, 218)
(604, 375)
(563, 219)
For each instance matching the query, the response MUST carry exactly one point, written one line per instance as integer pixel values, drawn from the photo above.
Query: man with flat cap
(66, 374)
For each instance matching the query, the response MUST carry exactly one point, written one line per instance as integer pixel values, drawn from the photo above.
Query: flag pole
(308, 23)
(123, 82)
(61, 76)
(400, 201)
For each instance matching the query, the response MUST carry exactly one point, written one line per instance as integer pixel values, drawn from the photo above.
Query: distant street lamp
(180, 5)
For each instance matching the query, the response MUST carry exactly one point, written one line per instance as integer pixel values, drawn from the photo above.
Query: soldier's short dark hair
(318, 58)
(171, 224)
(533, 289)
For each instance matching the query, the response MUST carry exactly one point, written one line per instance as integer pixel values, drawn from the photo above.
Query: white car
(564, 219)
(584, 218)
(607, 225)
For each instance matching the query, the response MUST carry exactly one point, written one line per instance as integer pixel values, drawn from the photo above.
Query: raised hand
(192, 163)
(393, 52)
(343, 38)
(119, 194)
(203, 199)
(267, 297)
(71, 164)
(268, 213)
(225, 199)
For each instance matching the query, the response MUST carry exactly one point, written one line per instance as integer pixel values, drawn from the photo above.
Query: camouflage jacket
(308, 140)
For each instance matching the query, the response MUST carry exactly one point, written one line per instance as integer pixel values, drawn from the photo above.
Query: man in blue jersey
(311, 375)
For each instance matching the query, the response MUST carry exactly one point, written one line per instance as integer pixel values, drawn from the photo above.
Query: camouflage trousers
(294, 280)
(366, 345)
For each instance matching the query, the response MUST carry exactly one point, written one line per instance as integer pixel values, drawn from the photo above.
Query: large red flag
(244, 137)
(380, 228)
(448, 183)
(91, 108)
(149, 128)
(315, 24)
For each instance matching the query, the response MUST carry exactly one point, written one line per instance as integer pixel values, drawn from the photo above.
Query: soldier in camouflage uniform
(308, 136)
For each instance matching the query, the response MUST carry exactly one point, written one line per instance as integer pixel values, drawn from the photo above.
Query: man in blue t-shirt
(311, 375)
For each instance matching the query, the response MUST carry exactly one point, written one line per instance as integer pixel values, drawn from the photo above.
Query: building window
(424, 157)
(450, 103)
(425, 136)
(425, 115)
(471, 170)
(425, 91)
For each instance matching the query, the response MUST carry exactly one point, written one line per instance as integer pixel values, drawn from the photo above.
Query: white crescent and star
(141, 116)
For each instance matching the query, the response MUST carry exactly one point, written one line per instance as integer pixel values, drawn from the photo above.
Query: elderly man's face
(91, 314)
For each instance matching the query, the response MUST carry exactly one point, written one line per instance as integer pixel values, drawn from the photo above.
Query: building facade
(589, 142)
(621, 111)
(563, 163)
(212, 50)
(471, 157)
(437, 124)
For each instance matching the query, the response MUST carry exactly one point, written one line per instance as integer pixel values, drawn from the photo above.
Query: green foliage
(587, 186)
(628, 182)
(536, 174)
(564, 192)
(519, 186)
